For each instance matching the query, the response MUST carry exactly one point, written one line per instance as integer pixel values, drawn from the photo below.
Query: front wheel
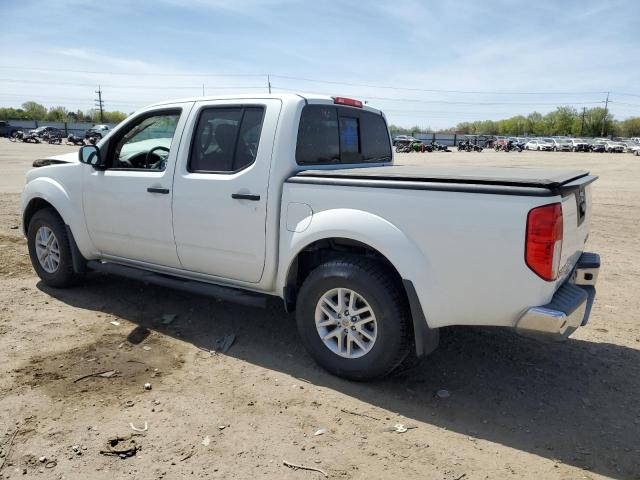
(50, 249)
(353, 318)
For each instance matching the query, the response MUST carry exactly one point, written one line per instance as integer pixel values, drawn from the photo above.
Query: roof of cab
(307, 97)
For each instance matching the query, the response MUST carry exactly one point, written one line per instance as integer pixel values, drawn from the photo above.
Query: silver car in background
(579, 145)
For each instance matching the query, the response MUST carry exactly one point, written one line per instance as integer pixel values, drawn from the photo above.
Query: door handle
(245, 196)
(158, 190)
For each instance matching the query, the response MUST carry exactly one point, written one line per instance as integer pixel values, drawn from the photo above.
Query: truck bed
(503, 180)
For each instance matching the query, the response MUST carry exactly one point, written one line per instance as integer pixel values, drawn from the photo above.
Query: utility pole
(269, 82)
(584, 112)
(203, 89)
(604, 118)
(100, 104)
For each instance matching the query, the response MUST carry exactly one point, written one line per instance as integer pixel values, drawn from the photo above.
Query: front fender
(67, 204)
(364, 227)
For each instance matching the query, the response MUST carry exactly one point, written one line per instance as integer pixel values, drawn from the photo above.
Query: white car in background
(561, 144)
(611, 146)
(629, 145)
(538, 144)
(98, 131)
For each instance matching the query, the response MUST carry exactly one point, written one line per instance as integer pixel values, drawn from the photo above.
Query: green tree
(57, 114)
(12, 114)
(34, 110)
(535, 126)
(597, 120)
(114, 117)
(561, 120)
(630, 127)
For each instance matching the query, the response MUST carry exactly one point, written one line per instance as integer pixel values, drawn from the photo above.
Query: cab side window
(147, 143)
(226, 139)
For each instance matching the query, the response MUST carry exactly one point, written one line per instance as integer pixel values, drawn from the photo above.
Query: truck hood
(56, 159)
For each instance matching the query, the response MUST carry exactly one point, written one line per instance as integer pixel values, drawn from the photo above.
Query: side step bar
(191, 286)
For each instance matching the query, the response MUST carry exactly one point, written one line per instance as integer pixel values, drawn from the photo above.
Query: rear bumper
(570, 306)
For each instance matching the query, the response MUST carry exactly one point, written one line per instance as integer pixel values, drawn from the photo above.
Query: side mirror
(90, 155)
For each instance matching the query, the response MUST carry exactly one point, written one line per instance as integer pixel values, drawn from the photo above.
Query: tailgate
(576, 215)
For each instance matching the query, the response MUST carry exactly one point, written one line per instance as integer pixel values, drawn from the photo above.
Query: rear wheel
(354, 319)
(50, 249)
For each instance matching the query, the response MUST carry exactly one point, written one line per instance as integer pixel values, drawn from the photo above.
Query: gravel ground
(517, 408)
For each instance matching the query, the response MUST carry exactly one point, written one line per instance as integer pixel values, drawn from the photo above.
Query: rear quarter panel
(464, 252)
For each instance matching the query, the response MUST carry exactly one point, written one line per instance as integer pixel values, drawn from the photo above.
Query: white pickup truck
(296, 196)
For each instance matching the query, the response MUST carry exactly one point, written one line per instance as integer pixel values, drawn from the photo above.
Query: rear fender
(366, 228)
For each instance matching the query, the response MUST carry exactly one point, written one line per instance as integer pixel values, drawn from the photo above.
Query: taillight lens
(544, 240)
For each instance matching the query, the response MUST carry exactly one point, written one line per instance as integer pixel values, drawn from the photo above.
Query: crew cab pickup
(298, 197)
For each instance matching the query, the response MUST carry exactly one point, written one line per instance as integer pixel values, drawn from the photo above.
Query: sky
(427, 63)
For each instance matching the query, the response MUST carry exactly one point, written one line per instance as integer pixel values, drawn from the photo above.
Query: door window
(147, 143)
(226, 139)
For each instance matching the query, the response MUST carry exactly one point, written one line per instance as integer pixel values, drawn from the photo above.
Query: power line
(311, 80)
(431, 90)
(146, 87)
(624, 103)
(137, 74)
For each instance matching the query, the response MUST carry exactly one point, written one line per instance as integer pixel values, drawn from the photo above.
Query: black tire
(64, 275)
(385, 296)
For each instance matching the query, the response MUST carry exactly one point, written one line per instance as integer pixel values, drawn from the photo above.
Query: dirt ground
(517, 408)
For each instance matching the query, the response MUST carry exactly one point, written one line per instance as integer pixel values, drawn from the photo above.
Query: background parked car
(97, 131)
(6, 129)
(46, 131)
(612, 146)
(561, 144)
(579, 145)
(538, 144)
(598, 146)
(629, 145)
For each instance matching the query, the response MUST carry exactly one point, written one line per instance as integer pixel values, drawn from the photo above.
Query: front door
(128, 205)
(221, 186)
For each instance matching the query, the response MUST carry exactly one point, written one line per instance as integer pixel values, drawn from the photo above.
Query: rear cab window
(330, 134)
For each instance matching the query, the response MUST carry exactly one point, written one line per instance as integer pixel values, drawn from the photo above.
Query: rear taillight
(543, 246)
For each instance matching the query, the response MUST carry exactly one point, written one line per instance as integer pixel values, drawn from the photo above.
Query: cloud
(244, 7)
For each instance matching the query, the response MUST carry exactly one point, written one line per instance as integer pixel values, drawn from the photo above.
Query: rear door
(221, 187)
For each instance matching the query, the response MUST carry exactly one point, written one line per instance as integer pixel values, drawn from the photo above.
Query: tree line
(34, 111)
(564, 120)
